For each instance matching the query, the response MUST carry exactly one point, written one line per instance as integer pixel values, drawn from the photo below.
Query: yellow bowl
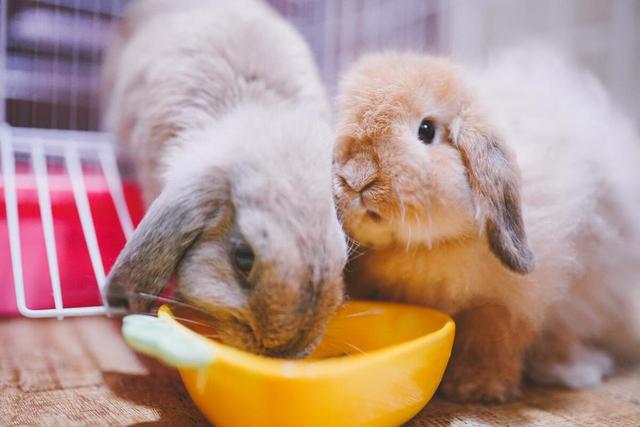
(393, 358)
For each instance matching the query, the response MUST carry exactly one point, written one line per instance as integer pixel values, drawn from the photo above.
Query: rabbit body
(177, 67)
(545, 286)
(221, 107)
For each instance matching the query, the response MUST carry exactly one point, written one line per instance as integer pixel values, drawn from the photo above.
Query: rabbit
(505, 195)
(227, 122)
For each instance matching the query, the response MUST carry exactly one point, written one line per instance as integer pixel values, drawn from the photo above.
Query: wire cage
(69, 200)
(52, 49)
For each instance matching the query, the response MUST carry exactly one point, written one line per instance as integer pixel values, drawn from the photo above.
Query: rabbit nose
(358, 184)
(357, 175)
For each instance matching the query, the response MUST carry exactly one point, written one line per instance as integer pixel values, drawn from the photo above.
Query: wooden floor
(80, 372)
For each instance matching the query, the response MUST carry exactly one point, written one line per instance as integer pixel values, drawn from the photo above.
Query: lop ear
(495, 184)
(171, 224)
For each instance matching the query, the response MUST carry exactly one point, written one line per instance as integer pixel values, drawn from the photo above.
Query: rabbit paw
(470, 384)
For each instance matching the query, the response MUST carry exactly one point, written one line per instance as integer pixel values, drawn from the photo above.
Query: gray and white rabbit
(223, 111)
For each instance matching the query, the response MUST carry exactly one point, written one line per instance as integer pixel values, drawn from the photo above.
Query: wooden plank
(614, 403)
(79, 372)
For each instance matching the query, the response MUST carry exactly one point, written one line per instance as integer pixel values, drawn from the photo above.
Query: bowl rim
(268, 366)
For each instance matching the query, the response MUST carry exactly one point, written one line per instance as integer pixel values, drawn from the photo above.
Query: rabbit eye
(243, 258)
(426, 131)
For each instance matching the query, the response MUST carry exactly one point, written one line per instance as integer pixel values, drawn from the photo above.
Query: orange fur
(492, 376)
(444, 224)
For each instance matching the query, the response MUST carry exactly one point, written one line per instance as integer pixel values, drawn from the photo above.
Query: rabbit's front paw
(486, 363)
(468, 384)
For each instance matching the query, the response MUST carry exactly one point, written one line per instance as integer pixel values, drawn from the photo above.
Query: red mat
(77, 278)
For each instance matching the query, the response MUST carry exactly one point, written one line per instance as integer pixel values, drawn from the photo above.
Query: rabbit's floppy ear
(171, 224)
(495, 185)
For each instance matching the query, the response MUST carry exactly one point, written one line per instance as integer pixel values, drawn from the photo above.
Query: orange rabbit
(507, 197)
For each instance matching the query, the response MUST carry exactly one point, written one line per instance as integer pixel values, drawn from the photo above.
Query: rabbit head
(419, 161)
(247, 223)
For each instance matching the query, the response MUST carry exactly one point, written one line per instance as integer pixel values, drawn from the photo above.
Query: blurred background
(67, 199)
(51, 49)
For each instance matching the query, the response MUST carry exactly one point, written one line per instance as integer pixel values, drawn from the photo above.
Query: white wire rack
(73, 148)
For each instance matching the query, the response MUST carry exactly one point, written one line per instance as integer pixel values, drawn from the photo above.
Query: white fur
(180, 70)
(585, 367)
(221, 106)
(581, 200)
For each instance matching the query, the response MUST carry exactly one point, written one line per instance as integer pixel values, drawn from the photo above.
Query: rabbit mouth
(374, 216)
(241, 335)
(299, 347)
(290, 353)
(369, 228)
(371, 217)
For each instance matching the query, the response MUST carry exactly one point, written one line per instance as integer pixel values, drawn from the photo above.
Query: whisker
(354, 347)
(192, 322)
(166, 300)
(352, 245)
(372, 312)
(334, 347)
(429, 230)
(357, 255)
(170, 300)
(328, 343)
(357, 243)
